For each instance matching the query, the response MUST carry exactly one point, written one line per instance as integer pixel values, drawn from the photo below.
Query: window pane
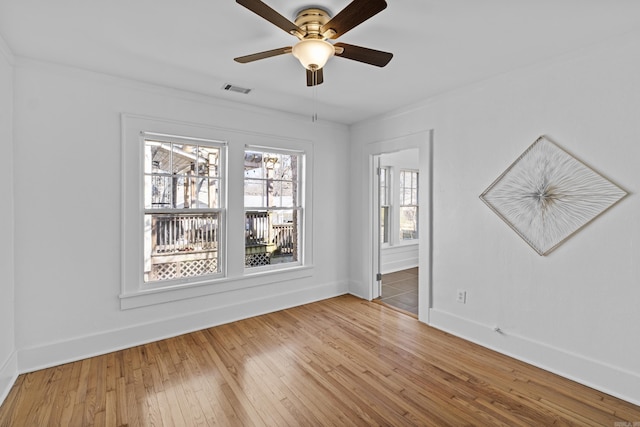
(252, 162)
(157, 157)
(408, 188)
(272, 164)
(207, 193)
(287, 189)
(180, 245)
(184, 192)
(157, 192)
(384, 224)
(177, 175)
(384, 186)
(408, 223)
(254, 193)
(270, 180)
(271, 237)
(183, 158)
(406, 197)
(208, 161)
(273, 193)
(280, 194)
(283, 168)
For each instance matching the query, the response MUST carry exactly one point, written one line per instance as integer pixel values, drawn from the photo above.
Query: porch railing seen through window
(181, 245)
(269, 240)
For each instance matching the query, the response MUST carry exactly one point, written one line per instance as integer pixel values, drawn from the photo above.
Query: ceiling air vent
(233, 88)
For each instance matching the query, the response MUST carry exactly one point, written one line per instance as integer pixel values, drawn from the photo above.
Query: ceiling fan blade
(261, 9)
(262, 55)
(363, 54)
(354, 14)
(315, 78)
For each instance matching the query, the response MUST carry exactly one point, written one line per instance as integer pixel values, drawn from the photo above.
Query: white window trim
(134, 293)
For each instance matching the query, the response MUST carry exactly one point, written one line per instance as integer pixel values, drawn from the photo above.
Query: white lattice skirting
(174, 270)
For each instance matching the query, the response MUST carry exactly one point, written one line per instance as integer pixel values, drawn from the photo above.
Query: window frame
(402, 204)
(220, 210)
(134, 129)
(300, 197)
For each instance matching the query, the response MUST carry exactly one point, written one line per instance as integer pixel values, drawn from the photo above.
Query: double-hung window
(273, 207)
(193, 227)
(385, 206)
(183, 207)
(408, 211)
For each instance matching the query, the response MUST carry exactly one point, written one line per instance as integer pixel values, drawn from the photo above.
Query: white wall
(67, 261)
(575, 311)
(8, 366)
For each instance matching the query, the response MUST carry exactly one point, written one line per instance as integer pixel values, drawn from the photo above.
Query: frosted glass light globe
(313, 54)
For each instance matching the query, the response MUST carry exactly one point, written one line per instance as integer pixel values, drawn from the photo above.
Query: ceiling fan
(313, 27)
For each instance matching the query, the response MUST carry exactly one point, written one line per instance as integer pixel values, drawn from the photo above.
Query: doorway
(400, 254)
(398, 228)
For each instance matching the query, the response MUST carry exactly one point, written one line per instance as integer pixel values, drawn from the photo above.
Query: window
(273, 207)
(385, 207)
(189, 229)
(183, 207)
(408, 211)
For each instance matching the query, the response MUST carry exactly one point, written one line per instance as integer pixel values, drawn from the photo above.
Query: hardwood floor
(343, 361)
(400, 290)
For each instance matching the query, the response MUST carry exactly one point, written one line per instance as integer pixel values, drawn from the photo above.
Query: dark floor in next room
(400, 290)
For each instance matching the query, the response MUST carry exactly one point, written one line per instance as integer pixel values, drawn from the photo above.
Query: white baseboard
(35, 358)
(8, 375)
(592, 373)
(392, 267)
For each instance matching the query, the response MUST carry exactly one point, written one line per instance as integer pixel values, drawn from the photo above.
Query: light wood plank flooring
(343, 361)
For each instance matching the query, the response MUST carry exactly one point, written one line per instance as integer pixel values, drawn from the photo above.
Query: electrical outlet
(461, 296)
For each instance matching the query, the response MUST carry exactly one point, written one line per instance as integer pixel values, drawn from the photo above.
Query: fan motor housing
(311, 20)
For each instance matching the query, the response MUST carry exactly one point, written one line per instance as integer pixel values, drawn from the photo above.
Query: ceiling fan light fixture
(313, 54)
(313, 27)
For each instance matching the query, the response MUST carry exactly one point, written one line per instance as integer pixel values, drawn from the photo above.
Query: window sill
(148, 297)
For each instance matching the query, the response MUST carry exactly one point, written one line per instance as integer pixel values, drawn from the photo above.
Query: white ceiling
(438, 45)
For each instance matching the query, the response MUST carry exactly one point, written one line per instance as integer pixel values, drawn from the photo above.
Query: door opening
(397, 229)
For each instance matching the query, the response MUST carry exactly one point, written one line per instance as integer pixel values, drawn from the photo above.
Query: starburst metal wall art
(547, 195)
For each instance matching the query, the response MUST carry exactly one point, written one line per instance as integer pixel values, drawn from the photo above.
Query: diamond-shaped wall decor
(547, 195)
